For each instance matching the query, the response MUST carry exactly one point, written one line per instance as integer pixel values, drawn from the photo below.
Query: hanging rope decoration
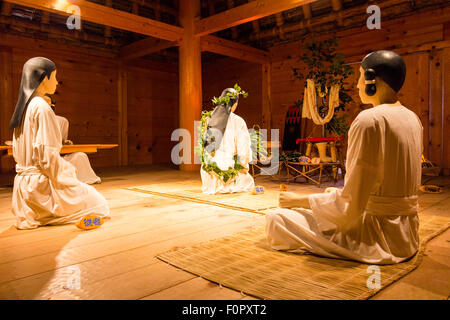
(310, 103)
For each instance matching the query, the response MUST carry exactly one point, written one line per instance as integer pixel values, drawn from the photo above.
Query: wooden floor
(117, 260)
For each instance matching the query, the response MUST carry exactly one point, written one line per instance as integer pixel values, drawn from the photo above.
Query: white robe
(79, 160)
(235, 140)
(46, 190)
(373, 219)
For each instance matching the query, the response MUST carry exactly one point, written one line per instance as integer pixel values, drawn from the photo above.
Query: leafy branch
(230, 96)
(326, 67)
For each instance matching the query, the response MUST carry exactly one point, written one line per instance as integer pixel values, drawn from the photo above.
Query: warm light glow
(61, 5)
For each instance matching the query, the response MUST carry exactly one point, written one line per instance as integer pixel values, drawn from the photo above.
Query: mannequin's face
(384, 93)
(362, 88)
(234, 107)
(48, 85)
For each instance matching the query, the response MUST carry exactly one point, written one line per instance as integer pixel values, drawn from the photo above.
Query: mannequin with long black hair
(46, 189)
(228, 137)
(373, 218)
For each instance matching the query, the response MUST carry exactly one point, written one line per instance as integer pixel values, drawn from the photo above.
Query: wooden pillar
(6, 104)
(435, 107)
(446, 112)
(266, 102)
(122, 97)
(190, 74)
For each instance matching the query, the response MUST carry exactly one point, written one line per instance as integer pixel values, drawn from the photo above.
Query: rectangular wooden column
(446, 110)
(122, 97)
(190, 74)
(266, 99)
(435, 108)
(6, 104)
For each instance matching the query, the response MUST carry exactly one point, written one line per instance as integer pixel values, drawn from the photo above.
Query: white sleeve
(364, 169)
(243, 144)
(47, 143)
(64, 127)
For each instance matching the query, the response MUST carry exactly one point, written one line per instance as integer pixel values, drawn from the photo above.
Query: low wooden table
(307, 170)
(71, 148)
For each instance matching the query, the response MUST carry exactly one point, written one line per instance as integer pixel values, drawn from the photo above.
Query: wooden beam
(280, 22)
(7, 104)
(266, 97)
(145, 47)
(307, 11)
(108, 3)
(234, 30)
(234, 49)
(122, 103)
(245, 13)
(109, 17)
(337, 7)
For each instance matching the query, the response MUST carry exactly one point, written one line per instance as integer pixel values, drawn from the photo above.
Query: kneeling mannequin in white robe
(46, 189)
(233, 138)
(373, 219)
(79, 160)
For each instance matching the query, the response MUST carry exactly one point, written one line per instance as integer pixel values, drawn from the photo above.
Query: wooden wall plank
(224, 73)
(415, 92)
(152, 115)
(88, 96)
(436, 93)
(6, 104)
(446, 112)
(122, 96)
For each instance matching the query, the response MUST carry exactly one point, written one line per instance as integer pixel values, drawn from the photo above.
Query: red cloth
(326, 139)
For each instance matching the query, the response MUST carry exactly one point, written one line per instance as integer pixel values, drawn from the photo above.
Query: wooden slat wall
(7, 102)
(86, 96)
(425, 90)
(225, 73)
(152, 115)
(446, 111)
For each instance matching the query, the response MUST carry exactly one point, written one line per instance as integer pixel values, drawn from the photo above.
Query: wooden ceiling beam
(109, 17)
(157, 5)
(234, 30)
(145, 47)
(245, 13)
(232, 49)
(327, 18)
(337, 7)
(6, 8)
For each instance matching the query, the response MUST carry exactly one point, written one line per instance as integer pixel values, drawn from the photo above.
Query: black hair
(33, 73)
(388, 66)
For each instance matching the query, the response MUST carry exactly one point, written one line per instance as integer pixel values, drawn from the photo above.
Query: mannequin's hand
(243, 171)
(293, 200)
(68, 142)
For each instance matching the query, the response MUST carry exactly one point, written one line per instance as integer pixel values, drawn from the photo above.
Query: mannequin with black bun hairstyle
(46, 189)
(373, 218)
(382, 75)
